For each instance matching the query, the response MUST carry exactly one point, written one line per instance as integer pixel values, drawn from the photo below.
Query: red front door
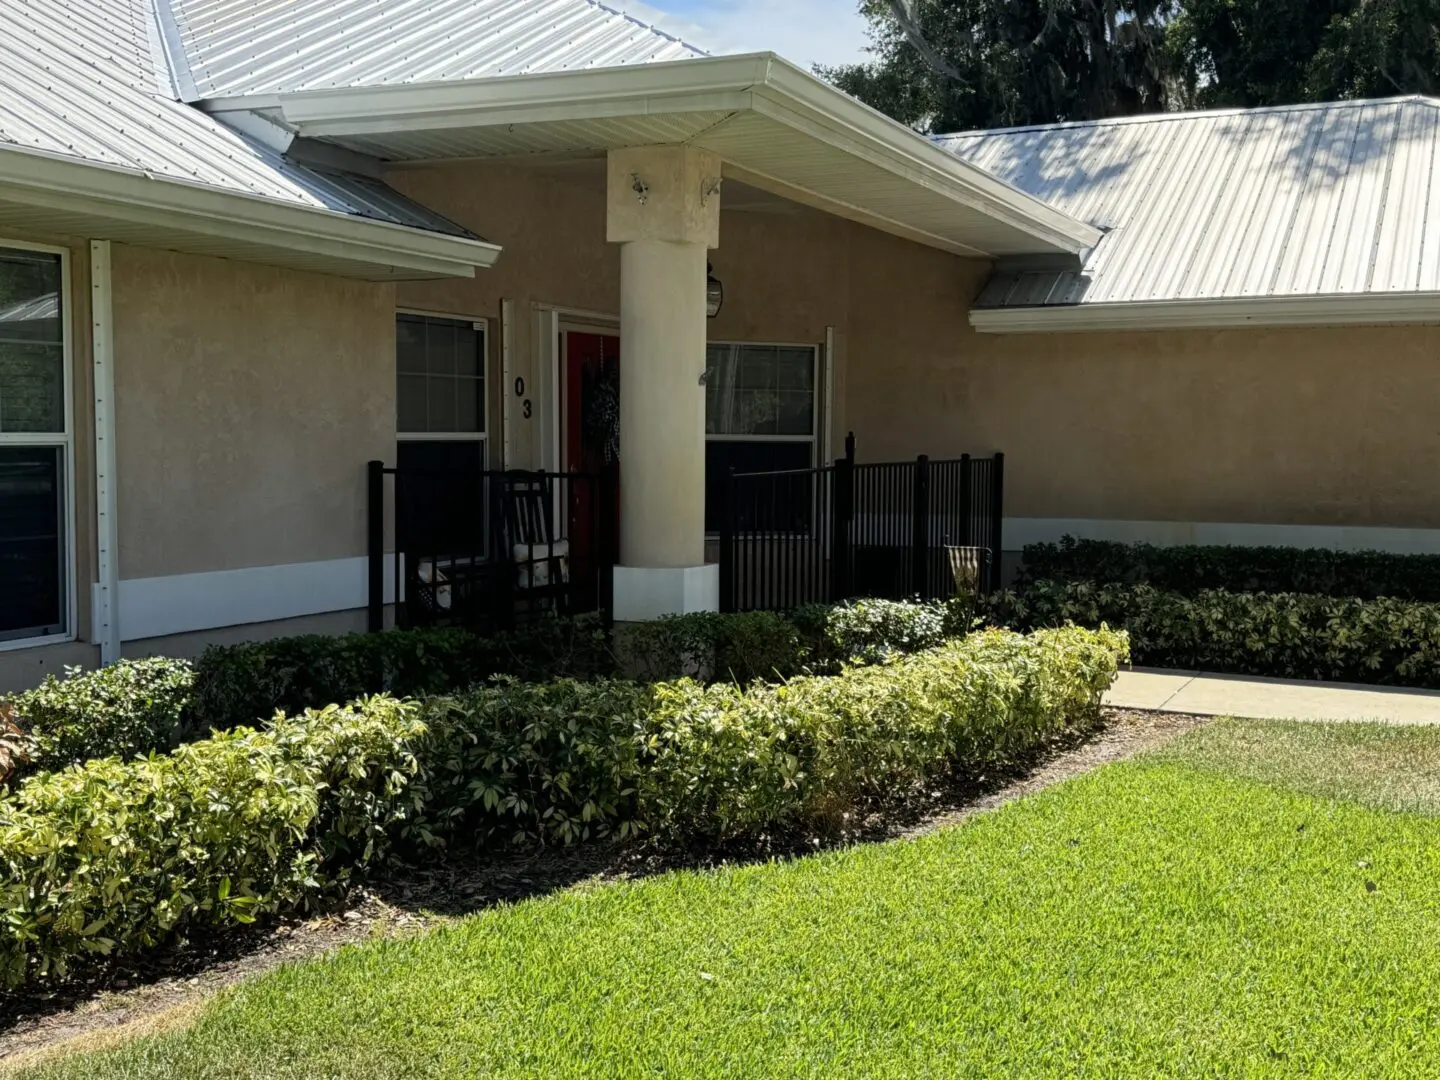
(592, 439)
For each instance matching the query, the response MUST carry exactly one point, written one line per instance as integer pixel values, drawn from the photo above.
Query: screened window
(440, 367)
(34, 447)
(440, 372)
(760, 413)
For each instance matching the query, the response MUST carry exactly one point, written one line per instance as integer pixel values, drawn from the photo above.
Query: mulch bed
(130, 991)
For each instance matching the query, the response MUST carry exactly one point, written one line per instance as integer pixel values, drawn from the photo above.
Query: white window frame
(814, 437)
(65, 442)
(483, 325)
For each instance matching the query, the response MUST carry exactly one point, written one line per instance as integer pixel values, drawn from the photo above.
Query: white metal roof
(1334, 200)
(254, 47)
(80, 80)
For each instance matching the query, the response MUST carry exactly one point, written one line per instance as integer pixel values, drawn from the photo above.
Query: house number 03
(526, 407)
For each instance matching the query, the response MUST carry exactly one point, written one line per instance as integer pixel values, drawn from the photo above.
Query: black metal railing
(486, 548)
(848, 530)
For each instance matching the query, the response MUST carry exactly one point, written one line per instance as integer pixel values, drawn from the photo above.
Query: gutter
(761, 83)
(1336, 309)
(138, 198)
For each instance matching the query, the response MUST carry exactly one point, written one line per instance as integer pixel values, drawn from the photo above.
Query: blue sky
(805, 31)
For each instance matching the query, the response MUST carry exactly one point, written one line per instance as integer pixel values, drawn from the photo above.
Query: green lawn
(1249, 902)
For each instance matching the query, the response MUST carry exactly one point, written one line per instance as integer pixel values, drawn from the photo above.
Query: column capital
(669, 193)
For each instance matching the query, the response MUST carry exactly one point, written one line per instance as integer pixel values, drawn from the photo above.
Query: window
(441, 371)
(760, 413)
(440, 395)
(34, 447)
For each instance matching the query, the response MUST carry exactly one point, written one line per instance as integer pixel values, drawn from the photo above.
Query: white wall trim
(107, 630)
(507, 378)
(827, 453)
(1020, 531)
(545, 375)
(187, 603)
(1363, 309)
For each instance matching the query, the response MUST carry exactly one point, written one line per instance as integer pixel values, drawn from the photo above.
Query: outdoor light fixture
(714, 292)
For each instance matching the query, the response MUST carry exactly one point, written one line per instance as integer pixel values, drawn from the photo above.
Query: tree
(950, 65)
(1378, 48)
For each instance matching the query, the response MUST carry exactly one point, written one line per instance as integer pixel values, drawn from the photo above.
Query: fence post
(375, 531)
(997, 520)
(727, 543)
(842, 504)
(920, 530)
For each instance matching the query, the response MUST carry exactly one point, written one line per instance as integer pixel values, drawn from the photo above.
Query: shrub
(873, 631)
(569, 761)
(132, 707)
(113, 857)
(721, 761)
(738, 648)
(819, 638)
(15, 747)
(1284, 635)
(548, 763)
(243, 684)
(1191, 570)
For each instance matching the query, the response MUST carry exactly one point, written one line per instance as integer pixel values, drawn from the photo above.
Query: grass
(1248, 902)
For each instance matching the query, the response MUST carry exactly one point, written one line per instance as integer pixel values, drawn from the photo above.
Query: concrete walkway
(1270, 699)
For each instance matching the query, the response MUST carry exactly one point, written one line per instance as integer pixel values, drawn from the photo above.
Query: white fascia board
(761, 82)
(110, 192)
(709, 85)
(857, 128)
(1354, 309)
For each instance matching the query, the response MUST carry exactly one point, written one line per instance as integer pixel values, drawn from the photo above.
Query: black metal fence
(847, 530)
(484, 548)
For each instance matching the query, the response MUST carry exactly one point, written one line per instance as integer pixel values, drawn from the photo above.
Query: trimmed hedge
(1192, 570)
(722, 761)
(818, 639)
(570, 761)
(132, 707)
(115, 857)
(739, 648)
(245, 684)
(1283, 635)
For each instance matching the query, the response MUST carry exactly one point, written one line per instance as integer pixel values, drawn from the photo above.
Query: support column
(664, 211)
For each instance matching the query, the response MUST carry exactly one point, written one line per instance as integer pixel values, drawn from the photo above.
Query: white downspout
(102, 340)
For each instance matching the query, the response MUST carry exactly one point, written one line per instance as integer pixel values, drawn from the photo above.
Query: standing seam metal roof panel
(1302, 200)
(82, 84)
(266, 47)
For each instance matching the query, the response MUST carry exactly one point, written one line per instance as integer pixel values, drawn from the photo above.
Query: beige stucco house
(246, 248)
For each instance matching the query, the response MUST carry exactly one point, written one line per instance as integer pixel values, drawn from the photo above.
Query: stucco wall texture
(248, 401)
(1287, 427)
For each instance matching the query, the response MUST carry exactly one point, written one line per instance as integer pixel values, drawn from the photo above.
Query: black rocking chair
(536, 556)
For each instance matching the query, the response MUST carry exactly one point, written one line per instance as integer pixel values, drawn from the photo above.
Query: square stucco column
(663, 208)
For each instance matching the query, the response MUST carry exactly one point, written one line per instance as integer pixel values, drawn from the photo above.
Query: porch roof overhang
(54, 194)
(775, 126)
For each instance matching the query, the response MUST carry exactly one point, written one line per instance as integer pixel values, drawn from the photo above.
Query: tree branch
(904, 14)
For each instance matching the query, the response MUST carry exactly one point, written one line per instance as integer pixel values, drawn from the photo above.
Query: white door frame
(552, 323)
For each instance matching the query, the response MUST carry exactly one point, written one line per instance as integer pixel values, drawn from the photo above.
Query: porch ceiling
(776, 127)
